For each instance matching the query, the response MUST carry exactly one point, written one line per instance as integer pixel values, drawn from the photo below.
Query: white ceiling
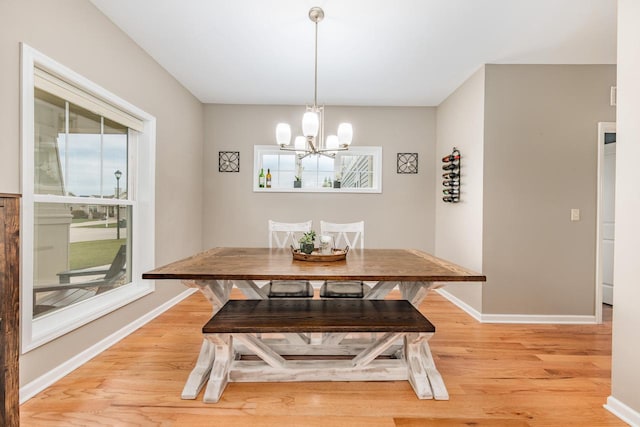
(371, 52)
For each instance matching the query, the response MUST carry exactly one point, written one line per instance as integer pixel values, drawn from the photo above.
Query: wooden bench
(233, 329)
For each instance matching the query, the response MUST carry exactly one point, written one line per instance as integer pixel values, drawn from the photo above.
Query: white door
(608, 214)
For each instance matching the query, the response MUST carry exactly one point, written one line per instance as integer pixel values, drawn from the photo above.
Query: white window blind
(55, 86)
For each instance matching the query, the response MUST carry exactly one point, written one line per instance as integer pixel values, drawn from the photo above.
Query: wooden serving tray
(316, 256)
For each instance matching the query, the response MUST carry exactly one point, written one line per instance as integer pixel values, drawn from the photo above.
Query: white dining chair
(284, 235)
(346, 234)
(349, 234)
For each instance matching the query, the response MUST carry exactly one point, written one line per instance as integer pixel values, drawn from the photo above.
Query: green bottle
(261, 178)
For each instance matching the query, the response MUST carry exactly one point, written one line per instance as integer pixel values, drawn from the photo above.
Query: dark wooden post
(9, 309)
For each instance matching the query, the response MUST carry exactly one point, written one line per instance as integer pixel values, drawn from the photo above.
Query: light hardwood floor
(497, 375)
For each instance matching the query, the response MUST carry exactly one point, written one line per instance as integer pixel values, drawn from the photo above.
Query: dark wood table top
(300, 315)
(406, 265)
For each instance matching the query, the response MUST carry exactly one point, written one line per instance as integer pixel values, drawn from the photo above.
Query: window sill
(316, 190)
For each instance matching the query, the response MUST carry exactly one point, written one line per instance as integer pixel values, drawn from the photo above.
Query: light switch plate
(575, 214)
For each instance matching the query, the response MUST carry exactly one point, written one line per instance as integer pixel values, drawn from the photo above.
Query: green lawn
(94, 253)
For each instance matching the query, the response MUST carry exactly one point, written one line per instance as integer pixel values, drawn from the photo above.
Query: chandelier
(313, 141)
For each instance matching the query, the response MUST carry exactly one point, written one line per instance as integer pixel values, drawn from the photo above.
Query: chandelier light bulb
(283, 134)
(345, 133)
(310, 124)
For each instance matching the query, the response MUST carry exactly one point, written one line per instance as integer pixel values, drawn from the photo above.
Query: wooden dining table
(216, 271)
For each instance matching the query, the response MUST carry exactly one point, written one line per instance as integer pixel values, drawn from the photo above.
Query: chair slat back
(117, 266)
(283, 234)
(344, 234)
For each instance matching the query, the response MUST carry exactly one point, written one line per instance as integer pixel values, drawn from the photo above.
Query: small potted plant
(336, 181)
(306, 242)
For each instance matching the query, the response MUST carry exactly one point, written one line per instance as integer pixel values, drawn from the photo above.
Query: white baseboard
(518, 318)
(36, 386)
(461, 304)
(557, 319)
(622, 411)
(607, 294)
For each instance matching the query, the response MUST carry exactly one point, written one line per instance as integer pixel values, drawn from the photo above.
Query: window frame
(376, 152)
(141, 195)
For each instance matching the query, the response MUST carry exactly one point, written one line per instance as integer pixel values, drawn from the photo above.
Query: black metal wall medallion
(228, 161)
(407, 162)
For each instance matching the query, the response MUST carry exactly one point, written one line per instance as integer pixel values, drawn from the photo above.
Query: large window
(87, 179)
(357, 170)
(78, 154)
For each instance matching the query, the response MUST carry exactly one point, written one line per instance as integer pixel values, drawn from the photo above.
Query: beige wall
(540, 157)
(402, 216)
(78, 36)
(626, 315)
(460, 123)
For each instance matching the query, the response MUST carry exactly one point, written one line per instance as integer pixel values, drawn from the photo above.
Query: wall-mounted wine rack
(451, 182)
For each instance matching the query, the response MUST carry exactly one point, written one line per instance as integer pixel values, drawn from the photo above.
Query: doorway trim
(603, 127)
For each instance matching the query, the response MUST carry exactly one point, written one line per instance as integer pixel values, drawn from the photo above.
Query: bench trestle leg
(375, 349)
(200, 372)
(219, 376)
(417, 375)
(422, 369)
(437, 383)
(261, 350)
(297, 338)
(333, 338)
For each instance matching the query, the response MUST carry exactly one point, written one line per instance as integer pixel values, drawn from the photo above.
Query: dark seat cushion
(290, 289)
(343, 289)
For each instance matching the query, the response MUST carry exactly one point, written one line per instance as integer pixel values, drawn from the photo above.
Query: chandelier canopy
(312, 140)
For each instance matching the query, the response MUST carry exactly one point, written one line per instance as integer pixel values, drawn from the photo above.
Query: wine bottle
(451, 199)
(450, 167)
(451, 183)
(268, 178)
(451, 191)
(451, 175)
(261, 178)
